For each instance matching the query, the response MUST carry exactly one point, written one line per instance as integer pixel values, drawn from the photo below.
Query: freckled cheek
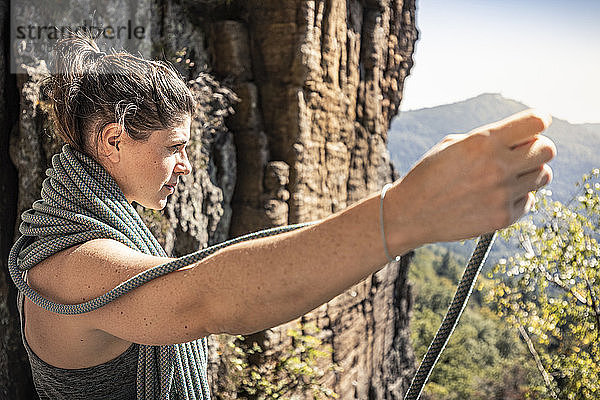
(150, 172)
(156, 161)
(168, 166)
(164, 169)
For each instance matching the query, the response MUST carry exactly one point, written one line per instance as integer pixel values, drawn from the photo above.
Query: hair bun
(98, 54)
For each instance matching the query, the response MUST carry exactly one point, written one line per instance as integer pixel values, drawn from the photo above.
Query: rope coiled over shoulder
(80, 202)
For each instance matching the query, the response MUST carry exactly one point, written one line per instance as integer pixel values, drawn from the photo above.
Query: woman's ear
(108, 144)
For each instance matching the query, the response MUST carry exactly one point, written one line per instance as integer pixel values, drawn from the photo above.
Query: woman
(132, 117)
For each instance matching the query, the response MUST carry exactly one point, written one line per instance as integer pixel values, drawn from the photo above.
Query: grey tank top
(115, 379)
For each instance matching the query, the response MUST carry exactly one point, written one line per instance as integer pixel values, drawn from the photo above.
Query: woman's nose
(183, 166)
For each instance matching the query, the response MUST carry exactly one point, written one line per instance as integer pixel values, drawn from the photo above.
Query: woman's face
(148, 172)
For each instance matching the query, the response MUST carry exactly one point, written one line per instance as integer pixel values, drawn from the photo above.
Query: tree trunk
(316, 85)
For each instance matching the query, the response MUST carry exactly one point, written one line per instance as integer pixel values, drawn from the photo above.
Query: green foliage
(550, 292)
(282, 374)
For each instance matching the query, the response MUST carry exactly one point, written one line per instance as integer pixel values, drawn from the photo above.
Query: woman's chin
(161, 204)
(154, 205)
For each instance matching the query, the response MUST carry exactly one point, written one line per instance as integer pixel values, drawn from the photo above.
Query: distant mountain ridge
(592, 127)
(412, 133)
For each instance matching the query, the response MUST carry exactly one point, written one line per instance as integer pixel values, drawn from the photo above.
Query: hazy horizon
(483, 94)
(545, 54)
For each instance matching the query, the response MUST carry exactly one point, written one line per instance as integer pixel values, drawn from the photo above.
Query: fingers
(533, 180)
(519, 128)
(522, 190)
(522, 206)
(532, 155)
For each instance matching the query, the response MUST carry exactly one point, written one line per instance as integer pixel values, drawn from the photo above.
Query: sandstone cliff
(314, 86)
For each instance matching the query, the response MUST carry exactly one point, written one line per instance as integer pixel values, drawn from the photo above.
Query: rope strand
(458, 304)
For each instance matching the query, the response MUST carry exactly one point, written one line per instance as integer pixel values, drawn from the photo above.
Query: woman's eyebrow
(179, 141)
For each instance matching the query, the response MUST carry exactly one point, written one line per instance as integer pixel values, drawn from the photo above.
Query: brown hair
(89, 89)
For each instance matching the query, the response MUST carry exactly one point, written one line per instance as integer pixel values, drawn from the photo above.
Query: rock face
(314, 85)
(14, 372)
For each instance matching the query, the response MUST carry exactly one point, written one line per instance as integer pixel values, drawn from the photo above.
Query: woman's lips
(171, 188)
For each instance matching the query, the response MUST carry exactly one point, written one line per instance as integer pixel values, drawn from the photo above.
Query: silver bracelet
(387, 253)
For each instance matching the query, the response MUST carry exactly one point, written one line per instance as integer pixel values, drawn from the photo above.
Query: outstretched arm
(463, 187)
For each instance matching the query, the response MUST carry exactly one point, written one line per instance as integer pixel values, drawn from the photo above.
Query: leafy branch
(550, 296)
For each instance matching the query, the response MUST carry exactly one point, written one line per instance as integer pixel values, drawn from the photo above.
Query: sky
(543, 53)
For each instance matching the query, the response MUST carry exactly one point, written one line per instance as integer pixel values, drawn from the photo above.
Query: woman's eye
(176, 148)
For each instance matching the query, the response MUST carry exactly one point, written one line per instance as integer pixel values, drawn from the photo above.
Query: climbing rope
(80, 202)
(458, 304)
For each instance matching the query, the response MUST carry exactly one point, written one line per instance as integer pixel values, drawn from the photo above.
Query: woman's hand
(474, 183)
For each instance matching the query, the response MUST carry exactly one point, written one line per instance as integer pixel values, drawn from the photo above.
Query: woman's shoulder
(155, 313)
(87, 270)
